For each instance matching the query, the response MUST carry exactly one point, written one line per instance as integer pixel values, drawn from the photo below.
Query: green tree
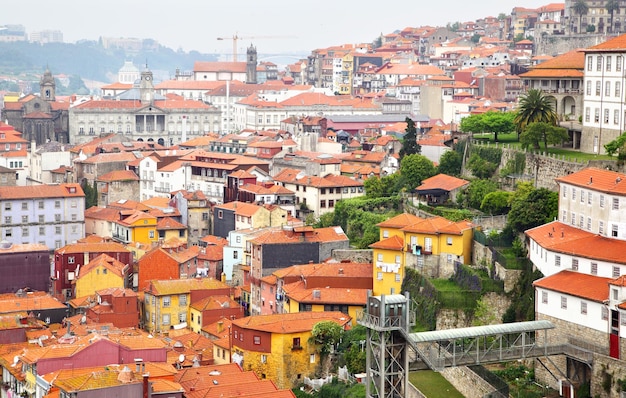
(477, 190)
(542, 132)
(540, 206)
(617, 146)
(91, 194)
(376, 187)
(475, 38)
(415, 168)
(496, 202)
(352, 347)
(409, 141)
(450, 163)
(481, 167)
(580, 8)
(325, 335)
(534, 107)
(489, 122)
(501, 16)
(611, 6)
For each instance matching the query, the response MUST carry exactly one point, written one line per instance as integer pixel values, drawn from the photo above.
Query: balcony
(120, 238)
(162, 189)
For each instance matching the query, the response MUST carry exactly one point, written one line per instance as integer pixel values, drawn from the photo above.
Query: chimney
(146, 386)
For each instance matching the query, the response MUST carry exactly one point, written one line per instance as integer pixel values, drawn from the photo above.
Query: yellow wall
(97, 279)
(283, 365)
(384, 281)
(140, 231)
(194, 320)
(159, 310)
(391, 232)
(294, 306)
(174, 233)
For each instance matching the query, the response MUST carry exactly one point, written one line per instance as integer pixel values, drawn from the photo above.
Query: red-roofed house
(117, 306)
(440, 189)
(116, 185)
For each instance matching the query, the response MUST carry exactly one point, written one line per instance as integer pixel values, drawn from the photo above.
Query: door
(614, 336)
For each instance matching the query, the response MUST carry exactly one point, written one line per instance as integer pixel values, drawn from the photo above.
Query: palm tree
(581, 8)
(534, 107)
(611, 6)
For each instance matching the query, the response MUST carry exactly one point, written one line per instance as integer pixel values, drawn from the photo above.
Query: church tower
(146, 87)
(47, 86)
(251, 61)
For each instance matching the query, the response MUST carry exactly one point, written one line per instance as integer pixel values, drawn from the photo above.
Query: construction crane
(236, 37)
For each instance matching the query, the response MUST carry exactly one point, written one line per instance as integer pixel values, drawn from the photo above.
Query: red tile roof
(328, 295)
(393, 243)
(442, 181)
(596, 179)
(577, 284)
(400, 221)
(290, 323)
(41, 191)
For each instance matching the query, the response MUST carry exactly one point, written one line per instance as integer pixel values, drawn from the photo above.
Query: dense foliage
(414, 169)
(476, 191)
(532, 209)
(489, 122)
(535, 107)
(542, 132)
(450, 163)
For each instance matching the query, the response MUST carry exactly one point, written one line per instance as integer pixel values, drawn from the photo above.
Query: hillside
(89, 60)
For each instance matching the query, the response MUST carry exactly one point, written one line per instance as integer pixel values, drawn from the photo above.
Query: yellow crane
(236, 37)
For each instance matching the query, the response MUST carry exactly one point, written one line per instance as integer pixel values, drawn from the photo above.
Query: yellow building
(277, 347)
(100, 273)
(432, 245)
(135, 226)
(169, 229)
(166, 302)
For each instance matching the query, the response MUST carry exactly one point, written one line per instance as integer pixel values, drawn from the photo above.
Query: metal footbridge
(392, 350)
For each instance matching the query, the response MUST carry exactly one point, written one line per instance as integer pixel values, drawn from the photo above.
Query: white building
(604, 116)
(52, 215)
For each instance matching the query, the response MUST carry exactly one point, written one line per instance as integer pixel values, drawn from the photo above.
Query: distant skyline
(273, 26)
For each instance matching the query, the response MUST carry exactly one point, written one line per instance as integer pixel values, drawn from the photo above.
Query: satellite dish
(83, 320)
(15, 361)
(181, 358)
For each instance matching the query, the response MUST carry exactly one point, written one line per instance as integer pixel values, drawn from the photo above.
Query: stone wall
(559, 44)
(467, 382)
(355, 256)
(452, 319)
(509, 276)
(606, 374)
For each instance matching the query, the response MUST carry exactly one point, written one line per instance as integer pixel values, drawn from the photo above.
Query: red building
(71, 257)
(117, 306)
(236, 180)
(214, 308)
(162, 264)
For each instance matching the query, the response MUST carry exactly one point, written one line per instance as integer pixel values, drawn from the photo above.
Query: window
(24, 231)
(583, 307)
(618, 89)
(151, 234)
(598, 87)
(385, 233)
(614, 230)
(589, 197)
(573, 222)
(582, 196)
(608, 63)
(257, 340)
(322, 203)
(57, 204)
(235, 255)
(596, 115)
(588, 87)
(42, 231)
(557, 261)
(398, 259)
(449, 241)
(312, 358)
(616, 116)
(607, 89)
(575, 264)
(616, 272)
(70, 260)
(599, 63)
(606, 115)
(618, 63)
(57, 230)
(182, 299)
(564, 302)
(601, 227)
(398, 278)
(379, 257)
(615, 294)
(588, 223)
(573, 193)
(57, 217)
(594, 268)
(564, 191)
(379, 276)
(166, 301)
(581, 222)
(182, 317)
(166, 319)
(7, 206)
(564, 218)
(24, 205)
(601, 200)
(263, 358)
(296, 342)
(331, 203)
(589, 63)
(40, 204)
(544, 297)
(220, 214)
(615, 204)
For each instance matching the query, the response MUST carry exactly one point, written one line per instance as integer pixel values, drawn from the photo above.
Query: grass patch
(452, 296)
(568, 153)
(433, 384)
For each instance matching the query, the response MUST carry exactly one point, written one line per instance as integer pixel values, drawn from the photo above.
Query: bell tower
(251, 61)
(47, 86)
(146, 87)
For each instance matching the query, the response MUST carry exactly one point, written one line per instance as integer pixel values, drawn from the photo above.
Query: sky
(273, 26)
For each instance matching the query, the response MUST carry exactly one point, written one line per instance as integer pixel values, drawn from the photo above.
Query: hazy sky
(279, 26)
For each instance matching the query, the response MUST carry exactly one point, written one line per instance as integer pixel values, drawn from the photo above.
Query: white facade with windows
(52, 215)
(604, 115)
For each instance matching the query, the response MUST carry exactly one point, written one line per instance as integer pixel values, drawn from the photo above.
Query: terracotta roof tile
(41, 191)
(442, 181)
(598, 180)
(290, 323)
(180, 286)
(393, 243)
(576, 284)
